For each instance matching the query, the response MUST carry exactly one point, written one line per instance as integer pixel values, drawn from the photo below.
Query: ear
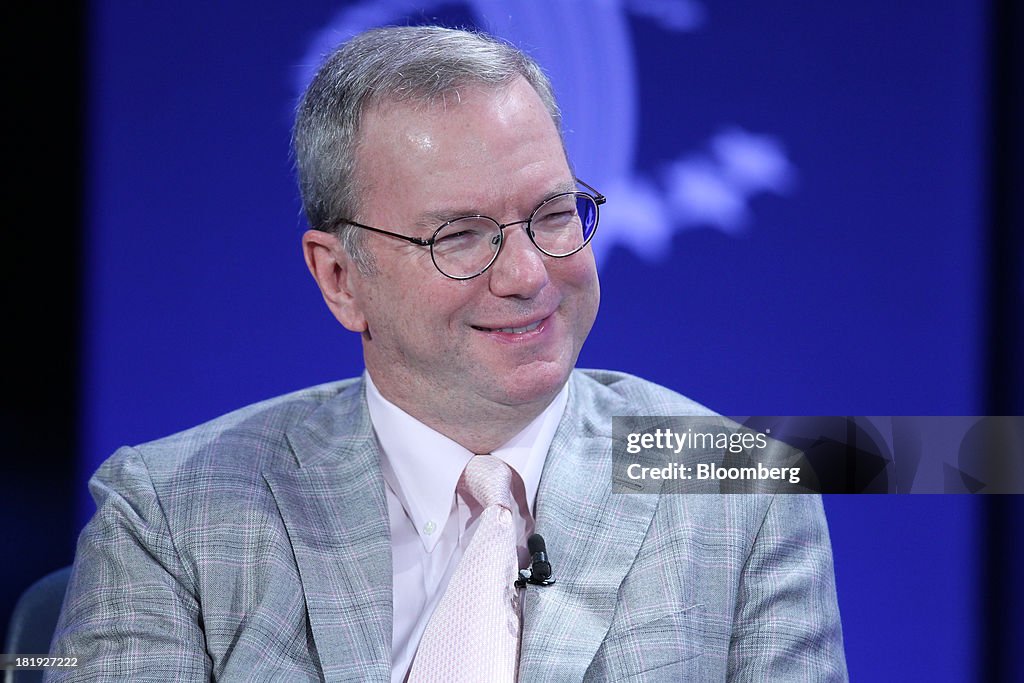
(336, 274)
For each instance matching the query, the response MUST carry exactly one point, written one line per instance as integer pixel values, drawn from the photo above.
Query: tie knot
(489, 480)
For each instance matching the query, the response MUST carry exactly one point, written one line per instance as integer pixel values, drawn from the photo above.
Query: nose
(520, 270)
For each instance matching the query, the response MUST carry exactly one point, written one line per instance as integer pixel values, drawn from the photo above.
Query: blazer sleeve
(787, 626)
(131, 611)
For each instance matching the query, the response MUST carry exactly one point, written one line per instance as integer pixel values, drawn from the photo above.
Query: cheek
(580, 277)
(586, 287)
(428, 309)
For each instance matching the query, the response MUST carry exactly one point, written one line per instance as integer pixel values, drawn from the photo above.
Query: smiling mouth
(510, 330)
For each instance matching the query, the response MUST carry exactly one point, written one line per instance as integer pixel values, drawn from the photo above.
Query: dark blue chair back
(34, 620)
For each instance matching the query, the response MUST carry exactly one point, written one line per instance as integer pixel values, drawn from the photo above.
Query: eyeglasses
(465, 247)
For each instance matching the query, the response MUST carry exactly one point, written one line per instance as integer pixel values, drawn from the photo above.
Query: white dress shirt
(431, 525)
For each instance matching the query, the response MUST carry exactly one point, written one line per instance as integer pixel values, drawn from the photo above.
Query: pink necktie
(473, 635)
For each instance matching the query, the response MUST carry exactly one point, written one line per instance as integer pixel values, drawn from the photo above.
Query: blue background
(856, 286)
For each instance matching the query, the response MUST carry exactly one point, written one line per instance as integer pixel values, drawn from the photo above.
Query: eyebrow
(432, 219)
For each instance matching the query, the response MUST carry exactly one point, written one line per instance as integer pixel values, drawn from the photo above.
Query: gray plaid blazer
(256, 547)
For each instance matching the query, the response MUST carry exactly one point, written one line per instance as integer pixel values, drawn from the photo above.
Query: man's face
(437, 344)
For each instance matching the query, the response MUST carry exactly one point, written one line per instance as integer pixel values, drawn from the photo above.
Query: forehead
(474, 143)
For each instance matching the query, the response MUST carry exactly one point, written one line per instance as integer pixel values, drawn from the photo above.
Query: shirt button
(429, 528)
(506, 516)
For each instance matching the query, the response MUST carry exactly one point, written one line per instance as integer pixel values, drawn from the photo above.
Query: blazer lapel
(592, 539)
(333, 506)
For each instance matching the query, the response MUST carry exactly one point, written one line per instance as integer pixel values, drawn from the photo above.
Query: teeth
(519, 330)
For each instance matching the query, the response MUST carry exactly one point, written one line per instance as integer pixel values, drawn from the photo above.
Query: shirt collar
(423, 466)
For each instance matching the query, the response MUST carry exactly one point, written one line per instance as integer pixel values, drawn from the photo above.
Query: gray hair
(393, 64)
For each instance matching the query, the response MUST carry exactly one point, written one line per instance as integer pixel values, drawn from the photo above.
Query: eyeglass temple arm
(415, 240)
(598, 197)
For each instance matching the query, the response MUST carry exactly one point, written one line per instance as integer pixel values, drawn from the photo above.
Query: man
(340, 533)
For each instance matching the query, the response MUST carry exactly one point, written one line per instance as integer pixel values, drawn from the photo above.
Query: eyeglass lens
(560, 226)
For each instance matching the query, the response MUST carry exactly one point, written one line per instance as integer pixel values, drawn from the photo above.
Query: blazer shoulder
(247, 439)
(619, 393)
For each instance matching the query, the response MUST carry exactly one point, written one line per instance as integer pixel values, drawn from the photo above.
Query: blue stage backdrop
(795, 225)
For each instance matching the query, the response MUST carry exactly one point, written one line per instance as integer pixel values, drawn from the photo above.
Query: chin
(530, 384)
